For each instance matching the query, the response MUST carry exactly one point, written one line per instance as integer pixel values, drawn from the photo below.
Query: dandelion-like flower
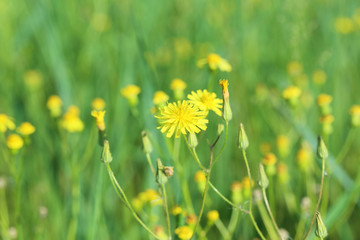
(99, 116)
(6, 123)
(206, 101)
(71, 120)
(14, 142)
(291, 92)
(214, 61)
(184, 232)
(131, 93)
(160, 98)
(54, 104)
(213, 215)
(26, 129)
(98, 104)
(180, 118)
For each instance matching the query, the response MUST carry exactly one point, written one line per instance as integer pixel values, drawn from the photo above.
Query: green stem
(233, 221)
(222, 229)
(269, 211)
(223, 147)
(346, 146)
(75, 209)
(148, 158)
(4, 216)
(194, 154)
(266, 220)
(166, 208)
(319, 199)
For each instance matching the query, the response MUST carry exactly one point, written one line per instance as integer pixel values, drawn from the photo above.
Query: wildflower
(212, 216)
(160, 98)
(147, 147)
(355, 115)
(246, 186)
(6, 123)
(323, 101)
(184, 232)
(178, 86)
(180, 118)
(200, 179)
(319, 77)
(153, 197)
(283, 145)
(191, 219)
(292, 95)
(205, 101)
(304, 157)
(294, 68)
(160, 232)
(320, 228)
(269, 161)
(227, 113)
(236, 192)
(263, 179)
(54, 104)
(98, 104)
(344, 25)
(14, 142)
(176, 210)
(243, 142)
(33, 78)
(26, 129)
(71, 121)
(322, 151)
(326, 124)
(214, 63)
(131, 92)
(99, 116)
(282, 173)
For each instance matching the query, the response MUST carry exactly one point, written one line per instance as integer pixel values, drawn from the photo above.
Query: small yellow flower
(33, 78)
(99, 116)
(131, 93)
(200, 176)
(294, 68)
(355, 110)
(98, 104)
(236, 186)
(214, 63)
(291, 92)
(71, 121)
(327, 119)
(153, 197)
(206, 101)
(160, 98)
(246, 183)
(344, 25)
(160, 232)
(319, 77)
(6, 123)
(283, 145)
(180, 118)
(227, 113)
(54, 104)
(269, 159)
(26, 129)
(14, 142)
(184, 232)
(324, 99)
(213, 215)
(177, 84)
(304, 157)
(191, 219)
(176, 210)
(283, 172)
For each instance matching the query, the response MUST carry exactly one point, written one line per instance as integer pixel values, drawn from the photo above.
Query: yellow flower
(283, 145)
(236, 186)
(177, 84)
(71, 121)
(160, 98)
(269, 159)
(215, 62)
(291, 92)
(6, 123)
(327, 119)
(294, 68)
(26, 129)
(153, 197)
(184, 232)
(213, 215)
(344, 25)
(180, 118)
(33, 78)
(319, 77)
(324, 99)
(206, 101)
(14, 142)
(236, 192)
(131, 93)
(246, 183)
(99, 116)
(54, 104)
(227, 113)
(283, 173)
(355, 110)
(200, 176)
(176, 210)
(98, 104)
(304, 157)
(191, 219)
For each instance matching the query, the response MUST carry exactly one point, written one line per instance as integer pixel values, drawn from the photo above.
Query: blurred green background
(88, 49)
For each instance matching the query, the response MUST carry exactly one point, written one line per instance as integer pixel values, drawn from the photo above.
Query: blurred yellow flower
(26, 129)
(71, 121)
(283, 145)
(54, 104)
(98, 104)
(33, 78)
(6, 123)
(200, 176)
(153, 197)
(294, 68)
(282, 172)
(215, 62)
(344, 25)
(327, 119)
(206, 101)
(246, 183)
(160, 98)
(319, 77)
(184, 232)
(355, 110)
(177, 84)
(191, 219)
(14, 142)
(291, 92)
(304, 157)
(131, 92)
(176, 210)
(269, 159)
(324, 99)
(99, 116)
(180, 118)
(213, 215)
(236, 186)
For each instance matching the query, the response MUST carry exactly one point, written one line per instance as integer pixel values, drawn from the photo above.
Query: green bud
(322, 151)
(227, 113)
(320, 228)
(147, 147)
(163, 172)
(243, 139)
(192, 139)
(106, 154)
(263, 179)
(220, 129)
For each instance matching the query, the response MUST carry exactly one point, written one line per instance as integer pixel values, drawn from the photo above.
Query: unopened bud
(322, 151)
(192, 139)
(243, 139)
(220, 129)
(147, 147)
(169, 171)
(263, 179)
(227, 113)
(106, 154)
(163, 172)
(320, 228)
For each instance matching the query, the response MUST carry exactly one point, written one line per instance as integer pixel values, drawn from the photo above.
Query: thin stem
(222, 229)
(346, 146)
(166, 208)
(148, 158)
(269, 211)
(212, 164)
(233, 221)
(319, 199)
(194, 154)
(250, 200)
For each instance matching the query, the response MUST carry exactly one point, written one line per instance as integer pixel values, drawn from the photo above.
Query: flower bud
(322, 151)
(263, 179)
(320, 228)
(220, 129)
(147, 147)
(227, 113)
(243, 139)
(106, 154)
(163, 172)
(192, 139)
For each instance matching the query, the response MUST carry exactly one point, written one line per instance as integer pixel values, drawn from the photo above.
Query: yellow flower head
(206, 101)
(324, 99)
(215, 62)
(26, 129)
(355, 110)
(236, 186)
(99, 116)
(131, 93)
(177, 84)
(282, 141)
(294, 68)
(200, 176)
(246, 183)
(98, 104)
(160, 98)
(71, 121)
(213, 215)
(344, 25)
(176, 210)
(153, 197)
(269, 159)
(226, 111)
(184, 232)
(291, 92)
(33, 78)
(225, 86)
(6, 123)
(319, 77)
(304, 157)
(180, 118)
(14, 142)
(327, 119)
(54, 104)
(191, 219)
(283, 173)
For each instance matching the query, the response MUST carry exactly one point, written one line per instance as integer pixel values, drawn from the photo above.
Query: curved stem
(148, 158)
(212, 164)
(346, 146)
(319, 199)
(194, 154)
(163, 189)
(269, 211)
